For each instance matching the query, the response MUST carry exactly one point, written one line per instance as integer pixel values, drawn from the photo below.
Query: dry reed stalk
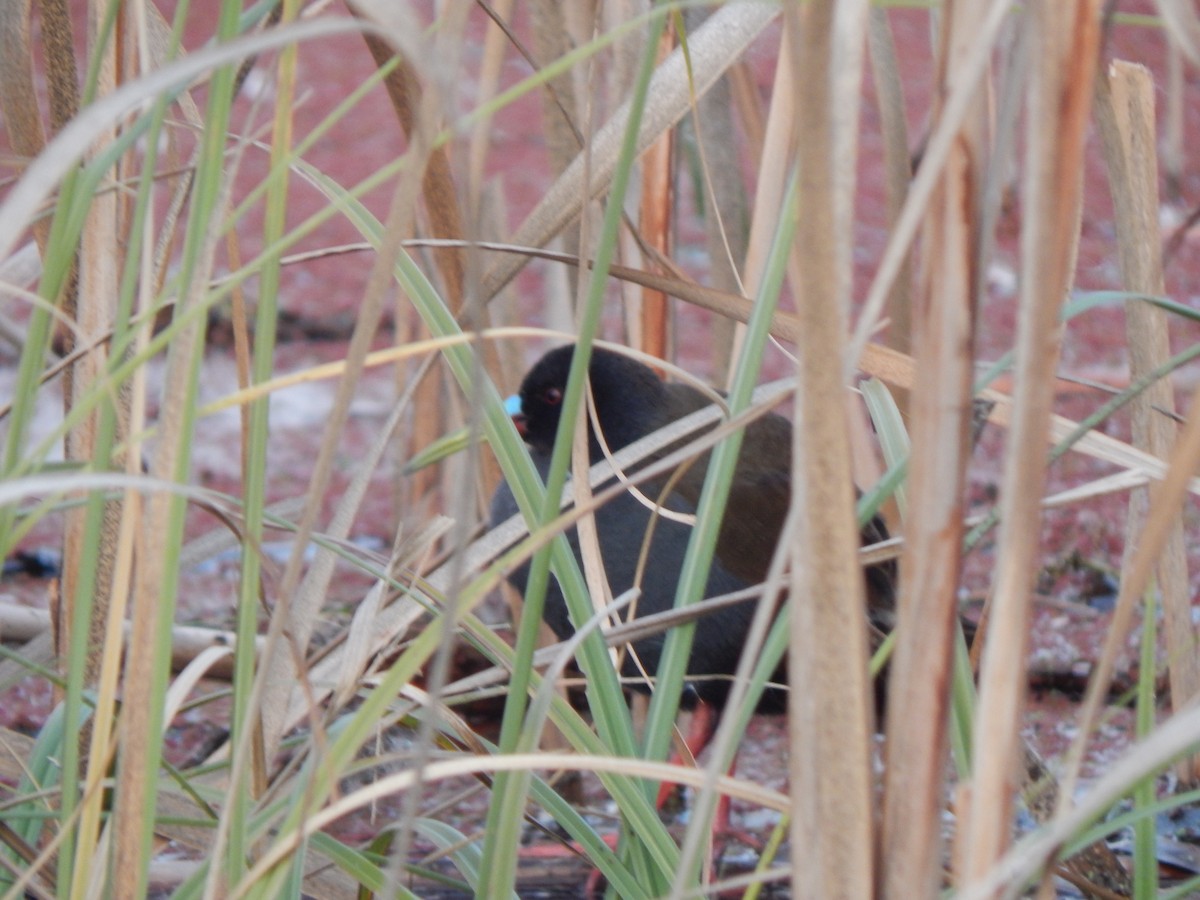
(833, 845)
(1125, 113)
(656, 211)
(946, 299)
(1066, 42)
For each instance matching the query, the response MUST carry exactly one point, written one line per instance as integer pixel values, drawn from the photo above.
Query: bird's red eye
(552, 396)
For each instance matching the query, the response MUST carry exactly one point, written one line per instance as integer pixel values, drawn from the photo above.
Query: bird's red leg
(701, 730)
(700, 734)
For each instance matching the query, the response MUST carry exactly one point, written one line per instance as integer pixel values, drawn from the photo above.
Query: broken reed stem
(1125, 114)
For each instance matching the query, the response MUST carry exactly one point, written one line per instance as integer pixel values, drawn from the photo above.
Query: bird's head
(626, 395)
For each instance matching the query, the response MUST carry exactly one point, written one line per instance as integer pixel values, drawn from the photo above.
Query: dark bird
(630, 402)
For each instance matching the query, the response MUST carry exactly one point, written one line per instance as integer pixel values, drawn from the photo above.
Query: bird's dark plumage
(630, 403)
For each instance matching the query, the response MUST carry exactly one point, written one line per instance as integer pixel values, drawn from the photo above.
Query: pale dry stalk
(941, 405)
(1065, 46)
(833, 848)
